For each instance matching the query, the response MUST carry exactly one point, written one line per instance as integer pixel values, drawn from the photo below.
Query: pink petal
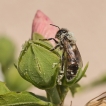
(41, 25)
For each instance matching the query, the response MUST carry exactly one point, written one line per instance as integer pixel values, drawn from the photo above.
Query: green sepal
(82, 73)
(36, 64)
(36, 36)
(45, 44)
(79, 75)
(73, 89)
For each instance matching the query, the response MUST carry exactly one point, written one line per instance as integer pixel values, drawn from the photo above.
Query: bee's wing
(77, 55)
(98, 101)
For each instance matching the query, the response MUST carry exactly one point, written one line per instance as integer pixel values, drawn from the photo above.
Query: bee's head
(61, 33)
(64, 34)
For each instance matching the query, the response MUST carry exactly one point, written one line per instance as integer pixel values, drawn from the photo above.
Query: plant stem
(53, 96)
(63, 90)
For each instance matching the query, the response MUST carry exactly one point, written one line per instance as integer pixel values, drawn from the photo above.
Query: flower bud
(38, 65)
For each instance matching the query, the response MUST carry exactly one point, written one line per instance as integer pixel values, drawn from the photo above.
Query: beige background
(85, 18)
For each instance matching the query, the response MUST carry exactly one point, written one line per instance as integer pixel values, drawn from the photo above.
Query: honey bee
(71, 59)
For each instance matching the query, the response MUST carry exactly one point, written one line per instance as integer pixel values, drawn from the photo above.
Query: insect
(71, 59)
(98, 101)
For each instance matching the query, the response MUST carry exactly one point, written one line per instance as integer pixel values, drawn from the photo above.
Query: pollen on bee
(61, 71)
(72, 73)
(59, 79)
(60, 76)
(54, 64)
(59, 82)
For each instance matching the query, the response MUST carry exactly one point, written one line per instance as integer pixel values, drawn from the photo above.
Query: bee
(98, 101)
(71, 59)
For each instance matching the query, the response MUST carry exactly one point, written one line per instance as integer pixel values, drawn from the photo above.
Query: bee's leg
(62, 63)
(50, 39)
(58, 45)
(61, 74)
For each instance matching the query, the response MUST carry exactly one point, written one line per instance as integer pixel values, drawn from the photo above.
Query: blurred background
(85, 18)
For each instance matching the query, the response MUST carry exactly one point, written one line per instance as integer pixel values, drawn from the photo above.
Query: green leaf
(22, 99)
(41, 97)
(8, 98)
(100, 80)
(7, 51)
(3, 88)
(36, 64)
(74, 88)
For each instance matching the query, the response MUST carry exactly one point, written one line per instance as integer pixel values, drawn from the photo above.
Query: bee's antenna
(71, 103)
(55, 26)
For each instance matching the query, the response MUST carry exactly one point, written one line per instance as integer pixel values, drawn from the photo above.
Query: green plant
(40, 66)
